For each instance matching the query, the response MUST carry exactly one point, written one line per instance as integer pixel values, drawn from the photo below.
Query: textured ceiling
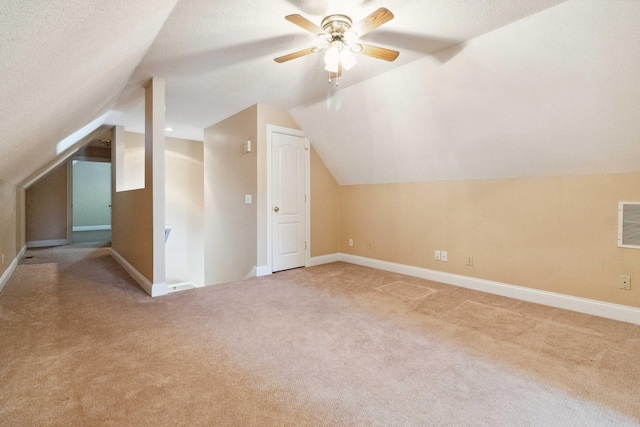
(62, 65)
(483, 88)
(217, 57)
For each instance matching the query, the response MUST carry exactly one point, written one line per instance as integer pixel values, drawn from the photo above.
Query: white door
(288, 201)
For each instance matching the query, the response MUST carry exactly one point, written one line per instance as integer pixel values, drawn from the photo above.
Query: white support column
(154, 176)
(117, 159)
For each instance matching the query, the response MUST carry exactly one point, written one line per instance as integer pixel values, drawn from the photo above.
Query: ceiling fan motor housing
(336, 24)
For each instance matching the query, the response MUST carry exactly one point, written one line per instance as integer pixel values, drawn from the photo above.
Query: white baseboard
(324, 259)
(153, 289)
(46, 243)
(608, 310)
(12, 267)
(262, 270)
(91, 227)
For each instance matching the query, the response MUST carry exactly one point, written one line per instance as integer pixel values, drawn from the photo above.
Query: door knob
(276, 209)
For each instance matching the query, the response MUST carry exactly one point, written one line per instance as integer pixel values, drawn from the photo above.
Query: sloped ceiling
(62, 65)
(553, 94)
(217, 57)
(482, 88)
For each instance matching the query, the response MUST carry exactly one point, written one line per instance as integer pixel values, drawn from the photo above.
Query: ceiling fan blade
(372, 21)
(379, 52)
(305, 24)
(295, 55)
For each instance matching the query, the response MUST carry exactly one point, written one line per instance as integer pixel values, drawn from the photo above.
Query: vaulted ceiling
(481, 89)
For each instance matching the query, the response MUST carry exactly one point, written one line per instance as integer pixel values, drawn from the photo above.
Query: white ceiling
(557, 93)
(517, 87)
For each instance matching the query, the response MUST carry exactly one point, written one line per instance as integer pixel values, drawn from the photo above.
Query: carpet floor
(334, 345)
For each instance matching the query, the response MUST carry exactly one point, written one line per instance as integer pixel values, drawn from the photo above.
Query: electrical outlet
(624, 282)
(443, 256)
(437, 256)
(351, 242)
(3, 259)
(469, 259)
(369, 246)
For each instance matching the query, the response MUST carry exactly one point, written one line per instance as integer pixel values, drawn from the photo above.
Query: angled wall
(325, 209)
(553, 234)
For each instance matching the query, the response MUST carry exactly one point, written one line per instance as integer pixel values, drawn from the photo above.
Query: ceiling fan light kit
(338, 37)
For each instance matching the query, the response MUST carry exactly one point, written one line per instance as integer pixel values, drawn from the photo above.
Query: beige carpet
(334, 345)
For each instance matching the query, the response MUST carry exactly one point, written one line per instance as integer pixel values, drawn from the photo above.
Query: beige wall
(131, 224)
(232, 228)
(21, 204)
(47, 207)
(325, 209)
(11, 219)
(184, 200)
(230, 225)
(554, 233)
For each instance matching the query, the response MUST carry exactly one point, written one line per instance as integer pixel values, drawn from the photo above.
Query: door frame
(271, 129)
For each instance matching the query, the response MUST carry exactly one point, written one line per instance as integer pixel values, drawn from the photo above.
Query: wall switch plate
(469, 259)
(437, 256)
(248, 199)
(444, 256)
(350, 242)
(624, 282)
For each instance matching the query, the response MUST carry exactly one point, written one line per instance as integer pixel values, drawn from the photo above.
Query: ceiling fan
(339, 38)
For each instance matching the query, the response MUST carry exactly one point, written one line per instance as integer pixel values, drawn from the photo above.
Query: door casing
(271, 129)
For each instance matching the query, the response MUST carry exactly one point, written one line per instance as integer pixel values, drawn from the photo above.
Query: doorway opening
(91, 201)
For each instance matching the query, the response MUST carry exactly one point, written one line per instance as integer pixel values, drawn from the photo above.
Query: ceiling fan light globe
(332, 56)
(355, 48)
(347, 59)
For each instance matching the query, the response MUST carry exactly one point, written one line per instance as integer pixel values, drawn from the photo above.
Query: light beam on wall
(68, 142)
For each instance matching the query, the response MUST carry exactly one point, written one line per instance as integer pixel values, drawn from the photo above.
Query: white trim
(307, 205)
(153, 289)
(324, 259)
(271, 129)
(608, 310)
(4, 279)
(187, 283)
(91, 227)
(70, 200)
(263, 270)
(45, 243)
(251, 273)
